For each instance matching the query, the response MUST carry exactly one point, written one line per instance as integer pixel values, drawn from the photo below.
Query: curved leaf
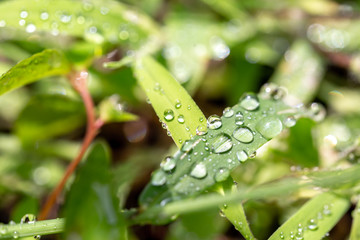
(47, 63)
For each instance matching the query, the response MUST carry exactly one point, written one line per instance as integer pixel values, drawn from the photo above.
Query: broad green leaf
(44, 64)
(314, 219)
(96, 217)
(96, 21)
(111, 110)
(48, 116)
(173, 105)
(300, 72)
(209, 157)
(355, 227)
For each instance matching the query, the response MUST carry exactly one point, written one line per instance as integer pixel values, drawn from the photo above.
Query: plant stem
(32, 229)
(79, 82)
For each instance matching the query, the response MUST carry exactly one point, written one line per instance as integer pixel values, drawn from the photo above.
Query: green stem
(32, 229)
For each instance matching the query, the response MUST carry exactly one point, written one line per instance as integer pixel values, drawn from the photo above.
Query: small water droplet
(222, 214)
(201, 130)
(44, 16)
(24, 14)
(187, 146)
(158, 178)
(252, 155)
(37, 237)
(180, 141)
(168, 115)
(178, 104)
(289, 121)
(199, 171)
(16, 234)
(241, 156)
(228, 112)
(188, 107)
(222, 174)
(201, 119)
(30, 28)
(243, 134)
(282, 235)
(214, 122)
(269, 127)
(168, 164)
(181, 119)
(312, 225)
(249, 102)
(326, 210)
(317, 112)
(222, 143)
(28, 218)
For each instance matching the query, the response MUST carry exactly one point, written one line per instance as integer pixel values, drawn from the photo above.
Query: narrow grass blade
(355, 228)
(44, 64)
(173, 105)
(314, 219)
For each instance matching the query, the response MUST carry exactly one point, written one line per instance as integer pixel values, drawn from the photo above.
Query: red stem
(78, 80)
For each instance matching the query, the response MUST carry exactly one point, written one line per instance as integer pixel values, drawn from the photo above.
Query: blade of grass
(171, 102)
(314, 219)
(355, 228)
(47, 63)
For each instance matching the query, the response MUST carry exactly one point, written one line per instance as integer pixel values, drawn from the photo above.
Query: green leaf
(314, 219)
(96, 217)
(171, 102)
(48, 116)
(96, 21)
(111, 110)
(355, 228)
(208, 158)
(44, 64)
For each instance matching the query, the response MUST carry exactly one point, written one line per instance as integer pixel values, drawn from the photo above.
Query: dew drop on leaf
(249, 102)
(187, 146)
(228, 112)
(243, 134)
(201, 130)
(289, 121)
(15, 234)
(317, 112)
(214, 122)
(28, 218)
(241, 156)
(168, 164)
(312, 225)
(269, 127)
(181, 119)
(222, 143)
(239, 118)
(222, 174)
(178, 104)
(168, 115)
(158, 178)
(37, 237)
(199, 171)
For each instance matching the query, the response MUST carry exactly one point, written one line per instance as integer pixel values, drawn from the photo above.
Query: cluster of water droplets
(26, 219)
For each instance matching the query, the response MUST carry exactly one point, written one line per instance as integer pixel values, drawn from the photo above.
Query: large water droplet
(168, 164)
(222, 143)
(289, 121)
(228, 112)
(199, 171)
(28, 218)
(181, 119)
(243, 134)
(249, 102)
(312, 225)
(214, 122)
(241, 156)
(269, 127)
(158, 178)
(222, 174)
(168, 115)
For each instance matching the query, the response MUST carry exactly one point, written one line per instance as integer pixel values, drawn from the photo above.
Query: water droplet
(214, 122)
(178, 104)
(201, 119)
(65, 18)
(317, 112)
(252, 155)
(24, 14)
(289, 121)
(16, 234)
(168, 115)
(249, 102)
(241, 156)
(243, 134)
(44, 16)
(222, 143)
(222, 214)
(228, 112)
(201, 130)
(180, 141)
(282, 235)
(312, 225)
(2, 23)
(181, 119)
(219, 48)
(28, 218)
(239, 118)
(199, 171)
(37, 237)
(30, 28)
(158, 178)
(222, 174)
(269, 127)
(187, 146)
(188, 107)
(168, 164)
(3, 230)
(327, 210)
